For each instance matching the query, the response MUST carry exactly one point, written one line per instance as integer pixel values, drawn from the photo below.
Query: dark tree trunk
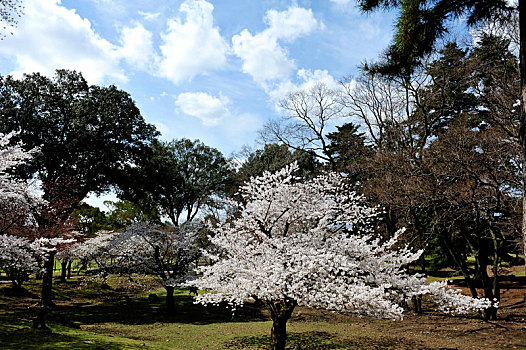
(522, 130)
(47, 282)
(481, 262)
(63, 270)
(417, 303)
(170, 301)
(69, 269)
(461, 264)
(280, 312)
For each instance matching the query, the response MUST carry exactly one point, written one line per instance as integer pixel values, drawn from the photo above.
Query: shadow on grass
(304, 341)
(30, 339)
(140, 311)
(323, 341)
(87, 304)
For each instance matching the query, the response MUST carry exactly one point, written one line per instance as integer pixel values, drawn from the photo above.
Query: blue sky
(208, 70)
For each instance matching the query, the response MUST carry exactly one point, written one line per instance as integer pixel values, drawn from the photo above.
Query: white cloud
(307, 79)
(50, 37)
(208, 109)
(194, 46)
(149, 16)
(137, 47)
(262, 55)
(291, 24)
(162, 128)
(263, 58)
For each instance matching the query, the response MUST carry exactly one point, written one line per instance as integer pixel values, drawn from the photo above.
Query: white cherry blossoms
(312, 242)
(15, 194)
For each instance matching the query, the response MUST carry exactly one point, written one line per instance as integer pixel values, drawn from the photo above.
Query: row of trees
(294, 241)
(439, 150)
(68, 139)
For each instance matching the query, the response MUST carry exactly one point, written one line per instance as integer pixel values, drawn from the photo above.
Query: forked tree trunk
(170, 301)
(280, 312)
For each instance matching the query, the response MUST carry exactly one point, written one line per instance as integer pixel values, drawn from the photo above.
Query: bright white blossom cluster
(19, 257)
(15, 194)
(97, 251)
(313, 242)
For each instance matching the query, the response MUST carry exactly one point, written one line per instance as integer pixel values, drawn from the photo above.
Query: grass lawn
(88, 317)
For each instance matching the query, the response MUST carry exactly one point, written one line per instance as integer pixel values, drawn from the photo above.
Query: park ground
(128, 316)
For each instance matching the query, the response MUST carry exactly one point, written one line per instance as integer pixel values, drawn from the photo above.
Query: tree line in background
(437, 148)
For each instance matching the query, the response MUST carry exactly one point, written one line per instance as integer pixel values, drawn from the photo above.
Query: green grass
(88, 317)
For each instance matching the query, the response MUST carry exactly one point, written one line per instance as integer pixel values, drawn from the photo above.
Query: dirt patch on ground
(431, 330)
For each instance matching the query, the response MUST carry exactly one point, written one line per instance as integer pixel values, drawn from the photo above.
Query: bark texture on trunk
(46, 297)
(522, 130)
(280, 311)
(63, 270)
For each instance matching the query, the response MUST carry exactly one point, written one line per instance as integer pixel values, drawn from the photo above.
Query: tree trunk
(280, 312)
(69, 269)
(63, 270)
(170, 301)
(461, 263)
(522, 130)
(47, 282)
(481, 261)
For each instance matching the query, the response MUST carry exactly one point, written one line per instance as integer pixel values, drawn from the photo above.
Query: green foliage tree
(124, 213)
(90, 135)
(348, 149)
(181, 176)
(274, 157)
(422, 22)
(88, 138)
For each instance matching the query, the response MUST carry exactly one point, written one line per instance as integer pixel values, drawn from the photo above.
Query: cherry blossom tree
(19, 256)
(17, 259)
(98, 251)
(166, 253)
(16, 196)
(312, 243)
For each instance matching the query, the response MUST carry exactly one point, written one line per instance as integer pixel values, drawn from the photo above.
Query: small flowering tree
(19, 256)
(17, 259)
(312, 243)
(166, 253)
(98, 251)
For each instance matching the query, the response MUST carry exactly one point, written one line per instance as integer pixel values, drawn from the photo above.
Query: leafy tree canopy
(89, 135)
(422, 22)
(179, 176)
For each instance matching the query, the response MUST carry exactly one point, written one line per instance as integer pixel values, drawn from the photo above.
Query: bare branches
(306, 115)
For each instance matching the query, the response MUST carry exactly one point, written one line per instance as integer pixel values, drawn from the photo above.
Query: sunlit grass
(124, 317)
